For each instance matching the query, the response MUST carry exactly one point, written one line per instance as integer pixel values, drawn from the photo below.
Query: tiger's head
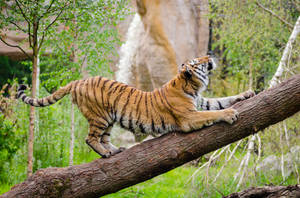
(197, 70)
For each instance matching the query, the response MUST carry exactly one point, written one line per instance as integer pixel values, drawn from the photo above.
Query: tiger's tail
(42, 102)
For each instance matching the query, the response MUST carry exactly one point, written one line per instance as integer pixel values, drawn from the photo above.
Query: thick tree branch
(154, 157)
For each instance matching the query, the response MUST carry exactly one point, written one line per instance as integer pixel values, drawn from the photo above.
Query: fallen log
(268, 192)
(154, 157)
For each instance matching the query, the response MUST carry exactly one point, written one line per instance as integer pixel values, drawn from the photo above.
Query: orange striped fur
(172, 107)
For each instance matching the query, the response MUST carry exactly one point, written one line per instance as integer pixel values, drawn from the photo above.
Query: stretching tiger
(172, 107)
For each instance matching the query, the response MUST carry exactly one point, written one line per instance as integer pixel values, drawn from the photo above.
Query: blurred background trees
(248, 39)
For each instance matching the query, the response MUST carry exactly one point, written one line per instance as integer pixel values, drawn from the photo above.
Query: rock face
(162, 35)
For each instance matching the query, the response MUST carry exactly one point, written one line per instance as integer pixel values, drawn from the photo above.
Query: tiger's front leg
(199, 119)
(243, 96)
(222, 103)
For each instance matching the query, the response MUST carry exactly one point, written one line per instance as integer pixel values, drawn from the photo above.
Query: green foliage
(10, 140)
(11, 69)
(88, 40)
(249, 39)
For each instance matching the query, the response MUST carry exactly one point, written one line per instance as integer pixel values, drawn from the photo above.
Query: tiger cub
(172, 107)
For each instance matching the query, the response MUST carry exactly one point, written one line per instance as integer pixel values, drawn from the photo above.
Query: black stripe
(202, 81)
(207, 105)
(127, 101)
(146, 104)
(194, 87)
(98, 127)
(220, 105)
(138, 104)
(173, 83)
(99, 80)
(23, 98)
(125, 106)
(31, 102)
(171, 107)
(188, 93)
(155, 99)
(75, 94)
(107, 97)
(40, 102)
(101, 111)
(201, 103)
(136, 97)
(142, 128)
(19, 94)
(110, 86)
(116, 101)
(121, 120)
(88, 101)
(49, 102)
(162, 123)
(130, 125)
(152, 125)
(79, 91)
(101, 89)
(116, 88)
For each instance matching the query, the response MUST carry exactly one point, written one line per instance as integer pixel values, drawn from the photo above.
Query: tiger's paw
(119, 150)
(106, 155)
(245, 95)
(230, 115)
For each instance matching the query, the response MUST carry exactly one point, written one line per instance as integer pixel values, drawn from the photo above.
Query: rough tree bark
(159, 155)
(268, 191)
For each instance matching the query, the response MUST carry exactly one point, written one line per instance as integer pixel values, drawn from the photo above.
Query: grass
(170, 184)
(4, 188)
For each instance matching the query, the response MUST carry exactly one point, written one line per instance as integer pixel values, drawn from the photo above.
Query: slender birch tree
(35, 18)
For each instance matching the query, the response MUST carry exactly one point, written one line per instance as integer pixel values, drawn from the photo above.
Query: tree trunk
(35, 72)
(268, 192)
(286, 53)
(72, 135)
(154, 157)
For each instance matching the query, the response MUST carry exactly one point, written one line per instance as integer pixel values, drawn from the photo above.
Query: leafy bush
(9, 143)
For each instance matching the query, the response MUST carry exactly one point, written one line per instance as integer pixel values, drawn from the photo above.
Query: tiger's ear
(187, 73)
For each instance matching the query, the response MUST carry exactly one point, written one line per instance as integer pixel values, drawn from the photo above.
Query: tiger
(172, 107)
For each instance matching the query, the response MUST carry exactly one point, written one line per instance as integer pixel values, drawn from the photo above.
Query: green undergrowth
(170, 184)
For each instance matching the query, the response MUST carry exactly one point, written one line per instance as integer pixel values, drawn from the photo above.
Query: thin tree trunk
(286, 53)
(74, 59)
(154, 157)
(32, 116)
(72, 135)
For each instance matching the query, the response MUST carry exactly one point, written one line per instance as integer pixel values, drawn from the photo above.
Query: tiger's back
(105, 102)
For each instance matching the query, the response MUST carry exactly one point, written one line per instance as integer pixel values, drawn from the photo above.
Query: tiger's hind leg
(93, 140)
(105, 141)
(98, 139)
